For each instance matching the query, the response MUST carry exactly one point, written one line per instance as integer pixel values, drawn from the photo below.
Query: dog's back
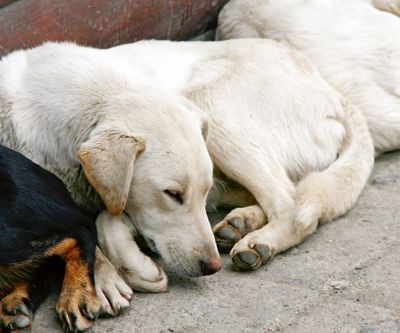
(354, 45)
(35, 209)
(36, 213)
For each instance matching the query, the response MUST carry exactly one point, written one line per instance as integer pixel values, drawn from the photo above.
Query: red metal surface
(102, 23)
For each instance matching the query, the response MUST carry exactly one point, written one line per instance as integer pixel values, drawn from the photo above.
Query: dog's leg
(78, 305)
(320, 197)
(238, 223)
(115, 234)
(275, 194)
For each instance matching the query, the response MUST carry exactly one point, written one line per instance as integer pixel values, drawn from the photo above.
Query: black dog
(44, 238)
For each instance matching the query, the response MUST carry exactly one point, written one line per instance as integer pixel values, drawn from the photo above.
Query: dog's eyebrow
(182, 183)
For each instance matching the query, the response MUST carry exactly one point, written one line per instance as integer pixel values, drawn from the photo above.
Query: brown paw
(14, 312)
(77, 308)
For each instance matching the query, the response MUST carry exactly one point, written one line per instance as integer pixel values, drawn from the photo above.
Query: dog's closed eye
(175, 195)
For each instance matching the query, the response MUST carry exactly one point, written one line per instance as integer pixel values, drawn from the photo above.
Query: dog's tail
(324, 196)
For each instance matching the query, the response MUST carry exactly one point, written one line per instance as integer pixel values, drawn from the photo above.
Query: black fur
(36, 214)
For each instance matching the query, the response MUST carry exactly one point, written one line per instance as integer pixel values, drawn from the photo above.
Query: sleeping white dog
(354, 44)
(114, 138)
(135, 127)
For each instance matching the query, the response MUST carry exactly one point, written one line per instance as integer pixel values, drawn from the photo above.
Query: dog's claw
(24, 310)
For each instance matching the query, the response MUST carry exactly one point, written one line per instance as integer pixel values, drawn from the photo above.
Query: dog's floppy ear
(107, 160)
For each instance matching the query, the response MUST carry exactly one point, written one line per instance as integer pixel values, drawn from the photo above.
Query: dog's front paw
(14, 312)
(77, 308)
(114, 294)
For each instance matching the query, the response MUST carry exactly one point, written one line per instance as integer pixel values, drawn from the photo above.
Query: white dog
(355, 46)
(133, 119)
(82, 114)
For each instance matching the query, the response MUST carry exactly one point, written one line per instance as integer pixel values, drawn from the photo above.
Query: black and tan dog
(44, 238)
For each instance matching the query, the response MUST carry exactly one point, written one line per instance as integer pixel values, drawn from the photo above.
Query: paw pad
(252, 258)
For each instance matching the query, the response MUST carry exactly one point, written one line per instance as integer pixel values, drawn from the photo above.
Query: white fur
(355, 46)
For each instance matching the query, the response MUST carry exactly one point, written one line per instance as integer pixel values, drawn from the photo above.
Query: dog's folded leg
(324, 196)
(320, 197)
(115, 235)
(277, 205)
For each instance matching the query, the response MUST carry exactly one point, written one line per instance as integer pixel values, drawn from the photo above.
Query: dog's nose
(210, 267)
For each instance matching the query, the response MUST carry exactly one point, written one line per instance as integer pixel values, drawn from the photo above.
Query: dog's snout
(210, 267)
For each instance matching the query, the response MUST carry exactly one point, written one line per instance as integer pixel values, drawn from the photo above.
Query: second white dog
(353, 43)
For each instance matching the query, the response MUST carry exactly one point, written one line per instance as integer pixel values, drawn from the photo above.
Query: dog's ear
(107, 160)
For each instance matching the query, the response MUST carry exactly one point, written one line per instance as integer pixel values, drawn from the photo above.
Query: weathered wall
(102, 23)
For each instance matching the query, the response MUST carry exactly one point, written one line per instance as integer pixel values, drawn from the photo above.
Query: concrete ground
(344, 278)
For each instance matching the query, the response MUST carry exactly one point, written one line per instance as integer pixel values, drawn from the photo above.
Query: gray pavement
(344, 278)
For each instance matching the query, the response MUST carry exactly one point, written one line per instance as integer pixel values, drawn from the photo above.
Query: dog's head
(151, 161)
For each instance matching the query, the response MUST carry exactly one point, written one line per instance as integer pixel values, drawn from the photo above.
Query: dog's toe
(21, 321)
(112, 304)
(113, 293)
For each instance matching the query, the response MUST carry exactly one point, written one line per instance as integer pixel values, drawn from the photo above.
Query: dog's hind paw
(14, 312)
(251, 252)
(237, 224)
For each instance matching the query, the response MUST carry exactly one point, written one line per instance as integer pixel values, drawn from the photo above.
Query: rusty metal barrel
(102, 23)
